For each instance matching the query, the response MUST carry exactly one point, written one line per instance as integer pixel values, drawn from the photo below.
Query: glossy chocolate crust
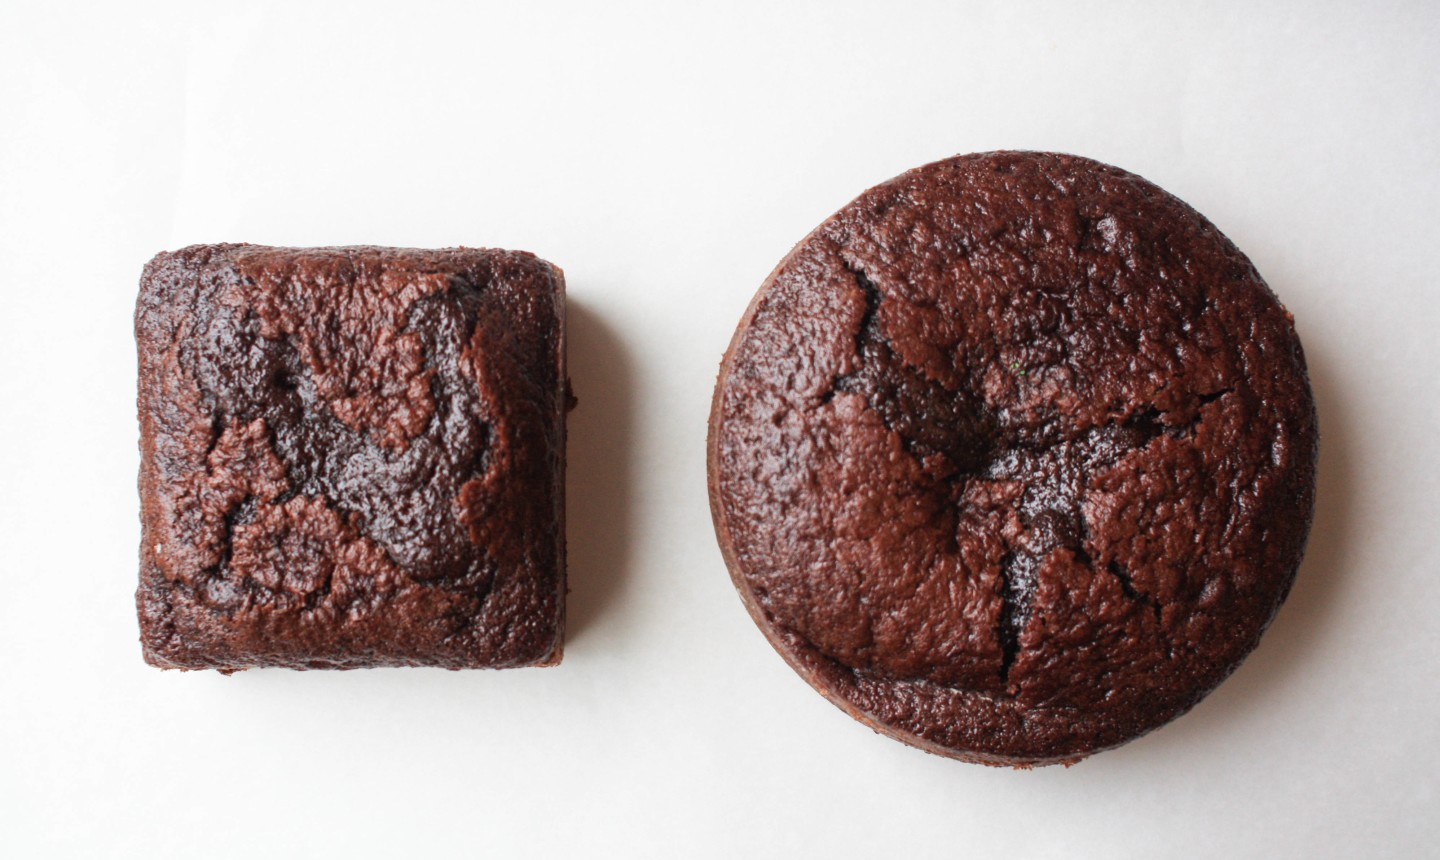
(351, 457)
(1013, 458)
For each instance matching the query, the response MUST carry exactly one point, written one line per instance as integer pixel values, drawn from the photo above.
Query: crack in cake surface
(930, 419)
(326, 459)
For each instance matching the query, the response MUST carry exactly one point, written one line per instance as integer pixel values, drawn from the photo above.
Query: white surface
(667, 159)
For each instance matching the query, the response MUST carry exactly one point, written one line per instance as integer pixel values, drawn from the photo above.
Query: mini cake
(351, 457)
(1013, 458)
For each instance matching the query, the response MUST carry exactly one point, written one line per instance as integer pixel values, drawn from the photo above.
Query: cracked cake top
(350, 457)
(1013, 457)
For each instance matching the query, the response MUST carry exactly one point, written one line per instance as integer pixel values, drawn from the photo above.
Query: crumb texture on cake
(351, 457)
(1014, 456)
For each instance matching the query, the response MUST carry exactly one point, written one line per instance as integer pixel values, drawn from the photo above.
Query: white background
(667, 157)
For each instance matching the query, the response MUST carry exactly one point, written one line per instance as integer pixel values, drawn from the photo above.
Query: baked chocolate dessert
(1013, 458)
(351, 457)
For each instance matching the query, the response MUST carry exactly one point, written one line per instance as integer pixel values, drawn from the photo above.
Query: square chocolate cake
(351, 457)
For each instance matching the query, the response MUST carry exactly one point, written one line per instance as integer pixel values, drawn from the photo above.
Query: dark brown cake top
(1013, 457)
(350, 457)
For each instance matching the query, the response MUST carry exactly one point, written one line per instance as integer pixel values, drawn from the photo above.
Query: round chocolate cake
(1013, 458)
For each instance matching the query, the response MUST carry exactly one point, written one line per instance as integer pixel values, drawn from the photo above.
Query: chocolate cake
(1013, 458)
(351, 457)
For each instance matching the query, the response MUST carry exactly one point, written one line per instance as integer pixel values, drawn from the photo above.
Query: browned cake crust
(351, 457)
(1013, 458)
